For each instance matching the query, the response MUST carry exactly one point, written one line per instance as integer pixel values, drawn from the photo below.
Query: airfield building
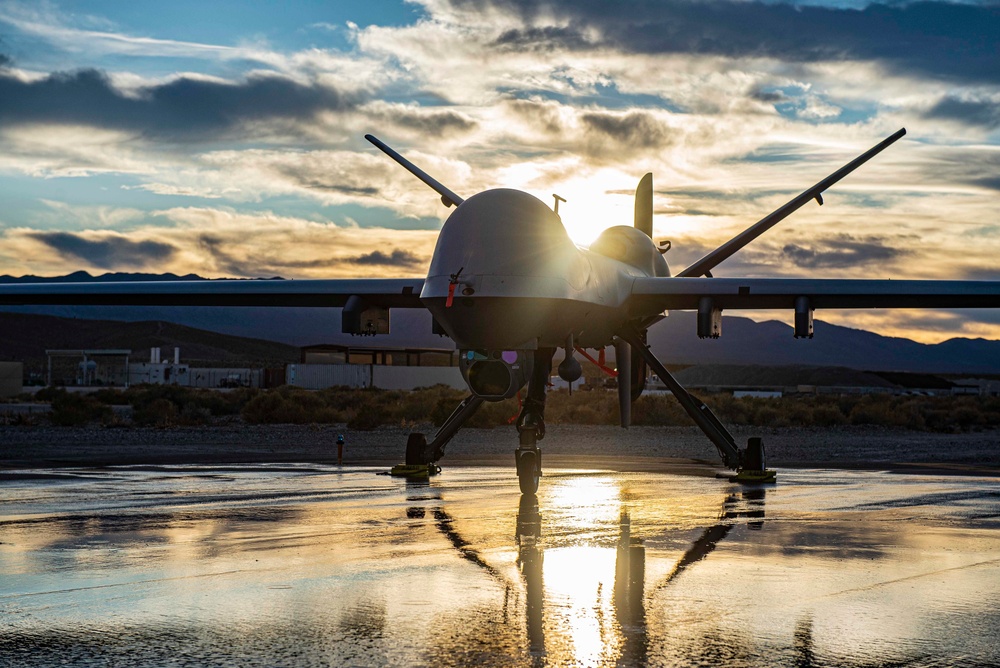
(330, 365)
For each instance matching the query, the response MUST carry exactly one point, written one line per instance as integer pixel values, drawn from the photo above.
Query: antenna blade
(448, 197)
(703, 266)
(644, 205)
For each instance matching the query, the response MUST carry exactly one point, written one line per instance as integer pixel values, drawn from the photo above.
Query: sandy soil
(605, 447)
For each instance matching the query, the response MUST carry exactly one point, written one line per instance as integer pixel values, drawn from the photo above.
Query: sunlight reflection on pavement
(307, 565)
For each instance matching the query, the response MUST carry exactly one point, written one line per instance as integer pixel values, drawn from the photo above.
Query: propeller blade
(448, 198)
(704, 266)
(644, 205)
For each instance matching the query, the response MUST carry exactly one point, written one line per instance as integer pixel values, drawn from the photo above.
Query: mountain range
(25, 337)
(743, 341)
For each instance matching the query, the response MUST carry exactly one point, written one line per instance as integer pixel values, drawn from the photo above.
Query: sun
(594, 203)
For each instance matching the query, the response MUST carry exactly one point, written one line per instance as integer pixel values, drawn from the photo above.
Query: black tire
(754, 459)
(527, 472)
(415, 446)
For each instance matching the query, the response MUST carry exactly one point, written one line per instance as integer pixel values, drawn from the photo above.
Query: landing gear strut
(420, 452)
(749, 464)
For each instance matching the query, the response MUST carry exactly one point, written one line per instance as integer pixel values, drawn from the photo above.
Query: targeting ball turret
(495, 375)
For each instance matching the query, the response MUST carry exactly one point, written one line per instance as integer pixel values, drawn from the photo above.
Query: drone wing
(710, 296)
(366, 302)
(382, 292)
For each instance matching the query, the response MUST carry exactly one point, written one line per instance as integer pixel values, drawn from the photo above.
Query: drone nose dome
(501, 232)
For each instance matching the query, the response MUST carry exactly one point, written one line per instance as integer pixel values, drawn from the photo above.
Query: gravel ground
(604, 446)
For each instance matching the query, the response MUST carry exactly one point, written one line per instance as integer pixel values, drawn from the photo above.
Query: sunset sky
(226, 138)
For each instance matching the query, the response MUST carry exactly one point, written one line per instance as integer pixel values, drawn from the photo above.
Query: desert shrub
(846, 404)
(290, 405)
(72, 409)
(879, 413)
(729, 408)
(110, 397)
(160, 412)
(205, 401)
(369, 416)
(193, 414)
(421, 404)
(936, 419)
(593, 407)
(991, 412)
(442, 409)
(907, 413)
(235, 400)
(764, 414)
(17, 419)
(339, 398)
(658, 411)
(260, 409)
(49, 393)
(495, 414)
(795, 413)
(275, 408)
(827, 416)
(585, 414)
(966, 414)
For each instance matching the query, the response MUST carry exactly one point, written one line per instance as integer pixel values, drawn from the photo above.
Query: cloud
(5, 61)
(842, 252)
(632, 129)
(418, 121)
(43, 21)
(223, 243)
(974, 112)
(544, 38)
(397, 258)
(182, 109)
(105, 250)
(955, 41)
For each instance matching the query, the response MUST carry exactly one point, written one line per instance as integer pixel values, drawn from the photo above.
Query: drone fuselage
(506, 276)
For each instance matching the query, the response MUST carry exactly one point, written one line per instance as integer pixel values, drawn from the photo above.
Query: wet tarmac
(314, 566)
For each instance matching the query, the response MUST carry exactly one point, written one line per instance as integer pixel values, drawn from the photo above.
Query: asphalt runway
(299, 565)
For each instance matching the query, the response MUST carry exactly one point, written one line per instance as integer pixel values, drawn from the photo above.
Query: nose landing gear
(527, 457)
(531, 422)
(528, 460)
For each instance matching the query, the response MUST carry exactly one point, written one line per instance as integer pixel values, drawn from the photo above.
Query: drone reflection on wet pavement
(306, 565)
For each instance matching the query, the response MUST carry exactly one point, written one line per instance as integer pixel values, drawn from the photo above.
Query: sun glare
(594, 204)
(581, 625)
(580, 507)
(579, 583)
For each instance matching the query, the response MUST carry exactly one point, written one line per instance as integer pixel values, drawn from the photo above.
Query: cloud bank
(245, 158)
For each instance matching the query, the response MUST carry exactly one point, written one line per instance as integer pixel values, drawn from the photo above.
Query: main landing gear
(749, 464)
(421, 455)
